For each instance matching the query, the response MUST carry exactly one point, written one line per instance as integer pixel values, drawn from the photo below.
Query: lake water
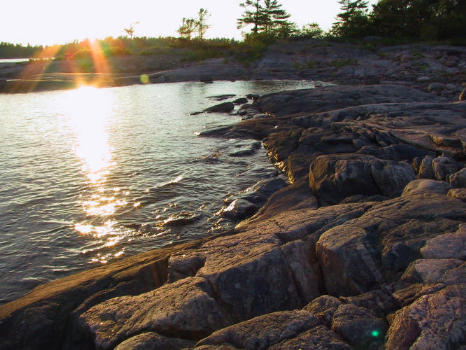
(13, 60)
(88, 176)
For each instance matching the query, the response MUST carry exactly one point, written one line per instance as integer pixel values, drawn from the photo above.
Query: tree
(274, 17)
(420, 19)
(311, 31)
(130, 29)
(201, 22)
(266, 16)
(353, 21)
(253, 14)
(187, 28)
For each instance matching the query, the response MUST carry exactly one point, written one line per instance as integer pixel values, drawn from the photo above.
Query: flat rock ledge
(365, 249)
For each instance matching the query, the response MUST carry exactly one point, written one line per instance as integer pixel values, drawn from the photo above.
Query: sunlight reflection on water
(88, 111)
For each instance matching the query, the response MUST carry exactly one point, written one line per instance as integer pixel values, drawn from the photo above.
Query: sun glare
(88, 112)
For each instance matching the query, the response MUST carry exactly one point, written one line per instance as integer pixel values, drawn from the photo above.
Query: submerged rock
(225, 107)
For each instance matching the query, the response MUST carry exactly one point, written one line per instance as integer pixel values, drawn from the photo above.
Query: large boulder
(435, 321)
(335, 177)
(186, 308)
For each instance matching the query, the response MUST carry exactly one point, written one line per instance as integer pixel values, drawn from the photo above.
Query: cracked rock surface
(364, 249)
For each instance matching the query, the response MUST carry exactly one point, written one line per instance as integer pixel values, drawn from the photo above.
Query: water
(13, 60)
(88, 176)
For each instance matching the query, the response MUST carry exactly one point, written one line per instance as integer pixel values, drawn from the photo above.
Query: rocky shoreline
(365, 249)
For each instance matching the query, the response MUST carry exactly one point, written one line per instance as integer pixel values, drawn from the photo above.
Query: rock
(458, 179)
(319, 338)
(238, 209)
(185, 308)
(324, 307)
(446, 246)
(221, 97)
(359, 327)
(350, 254)
(240, 101)
(263, 331)
(334, 177)
(423, 79)
(459, 193)
(436, 87)
(336, 97)
(261, 191)
(443, 166)
(434, 321)
(426, 186)
(180, 266)
(252, 96)
(425, 169)
(429, 270)
(206, 80)
(150, 340)
(225, 107)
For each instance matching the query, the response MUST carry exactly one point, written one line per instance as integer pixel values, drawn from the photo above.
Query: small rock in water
(240, 101)
(221, 97)
(238, 209)
(225, 107)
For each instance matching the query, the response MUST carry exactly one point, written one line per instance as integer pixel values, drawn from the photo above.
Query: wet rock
(261, 191)
(446, 246)
(426, 186)
(151, 340)
(240, 101)
(252, 96)
(225, 107)
(221, 97)
(434, 321)
(238, 209)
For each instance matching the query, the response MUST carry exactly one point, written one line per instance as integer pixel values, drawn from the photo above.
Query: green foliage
(420, 19)
(266, 17)
(8, 50)
(401, 20)
(191, 25)
(353, 21)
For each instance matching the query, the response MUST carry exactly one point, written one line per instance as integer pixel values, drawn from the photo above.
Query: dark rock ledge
(364, 250)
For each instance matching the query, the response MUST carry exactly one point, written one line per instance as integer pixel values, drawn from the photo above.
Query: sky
(45, 22)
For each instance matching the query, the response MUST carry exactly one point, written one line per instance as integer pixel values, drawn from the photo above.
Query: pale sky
(59, 21)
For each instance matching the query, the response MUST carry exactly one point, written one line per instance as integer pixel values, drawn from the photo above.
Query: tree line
(404, 19)
(8, 50)
(265, 20)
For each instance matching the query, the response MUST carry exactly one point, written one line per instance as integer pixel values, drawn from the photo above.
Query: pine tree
(266, 16)
(253, 14)
(353, 20)
(274, 16)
